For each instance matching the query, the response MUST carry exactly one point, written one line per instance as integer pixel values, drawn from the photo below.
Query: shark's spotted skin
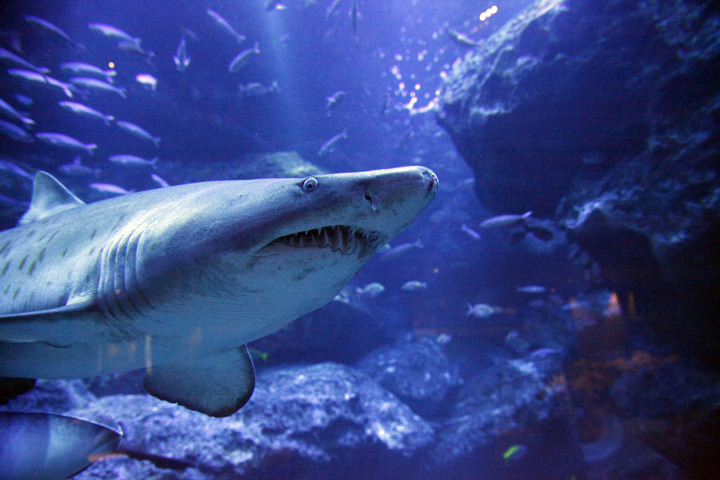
(177, 280)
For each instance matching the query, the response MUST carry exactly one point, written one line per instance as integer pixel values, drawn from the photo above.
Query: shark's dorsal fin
(49, 197)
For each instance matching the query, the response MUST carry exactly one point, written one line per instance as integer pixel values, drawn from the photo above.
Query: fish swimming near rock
(514, 221)
(177, 280)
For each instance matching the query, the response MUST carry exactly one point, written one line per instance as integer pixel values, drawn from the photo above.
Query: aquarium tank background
(552, 313)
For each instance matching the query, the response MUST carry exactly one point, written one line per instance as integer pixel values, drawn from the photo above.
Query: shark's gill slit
(372, 202)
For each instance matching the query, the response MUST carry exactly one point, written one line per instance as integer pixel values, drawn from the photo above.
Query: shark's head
(275, 249)
(350, 214)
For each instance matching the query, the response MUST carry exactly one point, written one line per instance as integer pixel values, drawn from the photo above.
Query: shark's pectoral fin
(218, 385)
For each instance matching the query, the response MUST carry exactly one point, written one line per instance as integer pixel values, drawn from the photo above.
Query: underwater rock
(605, 115)
(510, 402)
(672, 407)
(55, 396)
(418, 372)
(320, 421)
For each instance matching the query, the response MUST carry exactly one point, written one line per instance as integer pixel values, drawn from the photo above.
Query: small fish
(138, 132)
(85, 111)
(332, 9)
(504, 221)
(224, 25)
(482, 310)
(132, 160)
(531, 289)
(461, 39)
(109, 188)
(394, 252)
(34, 77)
(114, 33)
(255, 89)
(131, 47)
(147, 81)
(181, 59)
(7, 56)
(443, 338)
(544, 352)
(159, 180)
(330, 145)
(270, 5)
(515, 343)
(53, 29)
(575, 305)
(77, 169)
(10, 111)
(413, 286)
(371, 290)
(85, 69)
(334, 100)
(257, 353)
(9, 166)
(354, 17)
(473, 234)
(23, 99)
(515, 452)
(64, 141)
(16, 133)
(242, 58)
(93, 84)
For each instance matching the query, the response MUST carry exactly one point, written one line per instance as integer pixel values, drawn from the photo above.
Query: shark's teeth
(339, 238)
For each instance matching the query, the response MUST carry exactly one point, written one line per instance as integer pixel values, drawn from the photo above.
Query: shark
(178, 280)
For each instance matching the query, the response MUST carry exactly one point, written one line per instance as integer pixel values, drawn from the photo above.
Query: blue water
(390, 68)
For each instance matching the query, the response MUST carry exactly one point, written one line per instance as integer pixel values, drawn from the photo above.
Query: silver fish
(132, 160)
(114, 33)
(53, 29)
(93, 84)
(330, 145)
(85, 69)
(138, 132)
(181, 59)
(242, 58)
(110, 188)
(65, 141)
(16, 133)
(34, 77)
(224, 25)
(10, 111)
(9, 57)
(503, 221)
(85, 111)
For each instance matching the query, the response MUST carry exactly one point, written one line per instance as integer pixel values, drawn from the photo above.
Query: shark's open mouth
(339, 238)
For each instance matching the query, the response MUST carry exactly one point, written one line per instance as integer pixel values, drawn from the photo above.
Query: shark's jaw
(352, 241)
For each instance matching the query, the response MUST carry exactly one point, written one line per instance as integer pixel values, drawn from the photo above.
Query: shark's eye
(309, 184)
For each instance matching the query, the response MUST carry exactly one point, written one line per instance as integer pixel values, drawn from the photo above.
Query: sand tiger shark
(177, 280)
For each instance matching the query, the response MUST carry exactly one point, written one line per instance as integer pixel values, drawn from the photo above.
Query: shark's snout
(431, 180)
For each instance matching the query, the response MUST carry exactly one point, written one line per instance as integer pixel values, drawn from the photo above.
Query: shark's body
(178, 280)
